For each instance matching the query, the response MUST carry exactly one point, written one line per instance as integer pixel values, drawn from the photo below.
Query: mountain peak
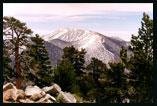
(69, 34)
(97, 45)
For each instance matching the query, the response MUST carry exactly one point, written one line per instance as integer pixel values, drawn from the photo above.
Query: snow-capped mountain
(97, 45)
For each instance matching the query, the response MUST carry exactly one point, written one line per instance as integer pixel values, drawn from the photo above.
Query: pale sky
(110, 19)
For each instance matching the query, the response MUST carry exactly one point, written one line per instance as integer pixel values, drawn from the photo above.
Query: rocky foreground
(34, 94)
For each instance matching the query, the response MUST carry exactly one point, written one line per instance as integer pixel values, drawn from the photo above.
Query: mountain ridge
(106, 49)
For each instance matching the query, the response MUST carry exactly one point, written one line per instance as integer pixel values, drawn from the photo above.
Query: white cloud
(41, 12)
(56, 18)
(66, 9)
(62, 18)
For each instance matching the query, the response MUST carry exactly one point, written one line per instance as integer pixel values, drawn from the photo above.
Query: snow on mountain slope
(97, 45)
(115, 37)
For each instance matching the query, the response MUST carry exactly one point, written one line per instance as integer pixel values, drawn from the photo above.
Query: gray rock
(10, 92)
(48, 96)
(25, 101)
(20, 94)
(53, 90)
(126, 101)
(36, 96)
(31, 90)
(66, 97)
(70, 97)
(44, 100)
(43, 93)
(8, 86)
(9, 95)
(47, 89)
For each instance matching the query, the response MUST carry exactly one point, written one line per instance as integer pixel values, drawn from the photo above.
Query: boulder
(25, 101)
(36, 96)
(20, 94)
(126, 101)
(53, 90)
(56, 88)
(7, 101)
(33, 94)
(49, 101)
(70, 97)
(48, 96)
(9, 95)
(8, 86)
(66, 97)
(44, 100)
(43, 93)
(47, 89)
(31, 90)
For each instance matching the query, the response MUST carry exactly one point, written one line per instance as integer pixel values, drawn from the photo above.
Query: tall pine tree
(141, 63)
(41, 72)
(17, 32)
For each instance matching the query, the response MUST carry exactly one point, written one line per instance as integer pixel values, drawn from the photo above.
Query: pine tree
(79, 62)
(86, 83)
(98, 68)
(17, 33)
(40, 64)
(65, 76)
(8, 72)
(143, 42)
(69, 53)
(76, 57)
(117, 83)
(123, 56)
(141, 63)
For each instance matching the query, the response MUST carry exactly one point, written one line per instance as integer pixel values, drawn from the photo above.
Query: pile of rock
(33, 94)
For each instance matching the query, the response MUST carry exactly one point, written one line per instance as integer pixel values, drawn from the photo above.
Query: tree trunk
(17, 61)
